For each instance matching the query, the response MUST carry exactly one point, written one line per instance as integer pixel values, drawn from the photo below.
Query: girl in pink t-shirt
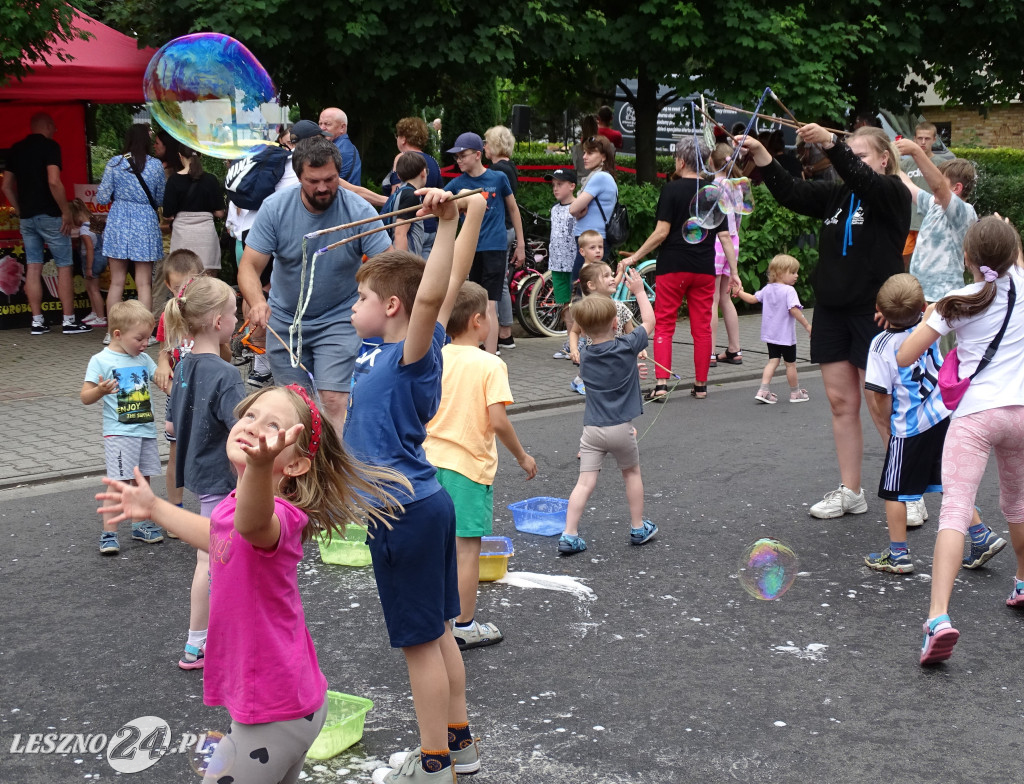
(261, 664)
(781, 309)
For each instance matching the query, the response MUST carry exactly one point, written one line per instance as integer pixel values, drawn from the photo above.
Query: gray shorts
(329, 351)
(617, 440)
(123, 453)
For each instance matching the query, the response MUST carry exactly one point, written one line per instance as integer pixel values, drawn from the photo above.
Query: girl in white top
(990, 415)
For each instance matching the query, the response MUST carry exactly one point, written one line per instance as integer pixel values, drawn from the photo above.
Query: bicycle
(522, 281)
(547, 314)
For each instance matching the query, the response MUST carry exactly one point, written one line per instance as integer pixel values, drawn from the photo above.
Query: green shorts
(474, 503)
(561, 282)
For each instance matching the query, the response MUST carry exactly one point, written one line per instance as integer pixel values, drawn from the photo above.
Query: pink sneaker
(800, 396)
(193, 658)
(1017, 595)
(939, 639)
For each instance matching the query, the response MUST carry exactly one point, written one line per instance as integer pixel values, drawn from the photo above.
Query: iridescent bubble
(209, 92)
(767, 569)
(742, 196)
(725, 200)
(693, 232)
(704, 206)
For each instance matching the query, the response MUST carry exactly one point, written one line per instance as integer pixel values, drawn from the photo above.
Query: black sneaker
(40, 329)
(509, 342)
(75, 328)
(259, 380)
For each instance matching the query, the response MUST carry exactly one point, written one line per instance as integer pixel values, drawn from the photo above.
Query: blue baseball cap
(467, 141)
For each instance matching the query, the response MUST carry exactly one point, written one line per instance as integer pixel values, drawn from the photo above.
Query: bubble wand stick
(415, 207)
(784, 107)
(296, 363)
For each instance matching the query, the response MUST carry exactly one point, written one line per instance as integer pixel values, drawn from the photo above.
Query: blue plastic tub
(541, 515)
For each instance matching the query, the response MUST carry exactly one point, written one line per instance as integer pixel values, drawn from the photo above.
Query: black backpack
(251, 179)
(617, 227)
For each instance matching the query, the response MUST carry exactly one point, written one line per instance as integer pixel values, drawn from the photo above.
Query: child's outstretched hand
(807, 326)
(575, 354)
(529, 465)
(264, 452)
(634, 282)
(130, 502)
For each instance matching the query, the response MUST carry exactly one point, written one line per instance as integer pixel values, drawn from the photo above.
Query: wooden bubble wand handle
(387, 215)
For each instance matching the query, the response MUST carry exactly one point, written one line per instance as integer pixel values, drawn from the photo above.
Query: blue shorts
(45, 229)
(329, 351)
(416, 571)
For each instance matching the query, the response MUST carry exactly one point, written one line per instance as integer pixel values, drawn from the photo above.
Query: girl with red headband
(295, 480)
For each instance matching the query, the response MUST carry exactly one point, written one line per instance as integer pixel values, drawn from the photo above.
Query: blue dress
(133, 230)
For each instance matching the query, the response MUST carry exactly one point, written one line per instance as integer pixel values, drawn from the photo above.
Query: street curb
(99, 470)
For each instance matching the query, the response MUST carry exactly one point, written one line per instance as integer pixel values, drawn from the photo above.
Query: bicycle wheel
(522, 304)
(646, 269)
(545, 312)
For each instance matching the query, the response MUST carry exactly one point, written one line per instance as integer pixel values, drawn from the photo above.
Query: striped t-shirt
(916, 402)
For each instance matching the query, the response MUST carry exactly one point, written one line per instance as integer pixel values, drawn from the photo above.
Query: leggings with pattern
(969, 441)
(264, 753)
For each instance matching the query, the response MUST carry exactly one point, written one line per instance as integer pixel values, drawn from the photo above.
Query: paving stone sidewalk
(49, 434)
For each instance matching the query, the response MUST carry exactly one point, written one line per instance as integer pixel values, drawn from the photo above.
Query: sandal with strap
(731, 357)
(658, 394)
(699, 391)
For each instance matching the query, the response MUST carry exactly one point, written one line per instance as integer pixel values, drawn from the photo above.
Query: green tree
(375, 60)
(33, 30)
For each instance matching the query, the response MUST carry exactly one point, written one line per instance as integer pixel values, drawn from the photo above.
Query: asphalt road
(646, 665)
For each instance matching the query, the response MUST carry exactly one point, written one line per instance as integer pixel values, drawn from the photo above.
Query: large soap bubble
(693, 232)
(209, 92)
(767, 569)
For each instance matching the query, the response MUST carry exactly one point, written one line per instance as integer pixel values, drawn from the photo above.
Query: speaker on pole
(520, 121)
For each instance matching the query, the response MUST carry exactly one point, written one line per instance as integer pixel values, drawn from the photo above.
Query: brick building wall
(1003, 127)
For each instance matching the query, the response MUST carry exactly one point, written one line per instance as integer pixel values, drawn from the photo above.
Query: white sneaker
(838, 502)
(917, 513)
(90, 318)
(106, 339)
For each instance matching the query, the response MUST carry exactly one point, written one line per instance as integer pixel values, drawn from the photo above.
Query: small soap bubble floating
(693, 232)
(767, 569)
(209, 92)
(704, 206)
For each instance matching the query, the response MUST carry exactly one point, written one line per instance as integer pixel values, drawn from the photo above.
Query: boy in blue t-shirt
(119, 376)
(396, 389)
(608, 369)
(491, 256)
(907, 409)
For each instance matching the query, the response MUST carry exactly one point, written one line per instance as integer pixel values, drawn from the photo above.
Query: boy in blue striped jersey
(907, 409)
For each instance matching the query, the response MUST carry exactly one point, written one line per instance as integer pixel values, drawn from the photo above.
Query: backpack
(616, 228)
(251, 179)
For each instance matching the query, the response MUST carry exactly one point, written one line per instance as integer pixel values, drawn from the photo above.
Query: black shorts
(786, 353)
(913, 465)
(839, 336)
(489, 271)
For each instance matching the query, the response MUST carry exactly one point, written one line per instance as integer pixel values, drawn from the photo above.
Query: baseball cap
(305, 129)
(562, 175)
(467, 141)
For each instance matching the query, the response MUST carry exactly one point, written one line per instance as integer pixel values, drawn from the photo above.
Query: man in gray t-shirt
(329, 343)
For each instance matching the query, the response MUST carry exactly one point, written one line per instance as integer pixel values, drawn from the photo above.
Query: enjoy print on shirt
(133, 402)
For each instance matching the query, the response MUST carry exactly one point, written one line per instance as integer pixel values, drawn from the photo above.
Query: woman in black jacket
(865, 220)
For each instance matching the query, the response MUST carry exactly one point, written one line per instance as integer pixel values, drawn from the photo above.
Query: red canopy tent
(106, 68)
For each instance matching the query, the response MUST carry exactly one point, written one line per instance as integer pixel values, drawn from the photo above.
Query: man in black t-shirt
(32, 185)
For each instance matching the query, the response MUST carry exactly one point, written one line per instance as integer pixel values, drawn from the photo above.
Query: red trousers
(669, 290)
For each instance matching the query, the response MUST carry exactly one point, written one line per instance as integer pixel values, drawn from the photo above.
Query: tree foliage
(31, 31)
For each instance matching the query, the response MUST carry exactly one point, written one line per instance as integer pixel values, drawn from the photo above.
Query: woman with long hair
(134, 181)
(192, 200)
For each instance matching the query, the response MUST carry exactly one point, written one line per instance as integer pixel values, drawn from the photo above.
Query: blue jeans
(45, 229)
